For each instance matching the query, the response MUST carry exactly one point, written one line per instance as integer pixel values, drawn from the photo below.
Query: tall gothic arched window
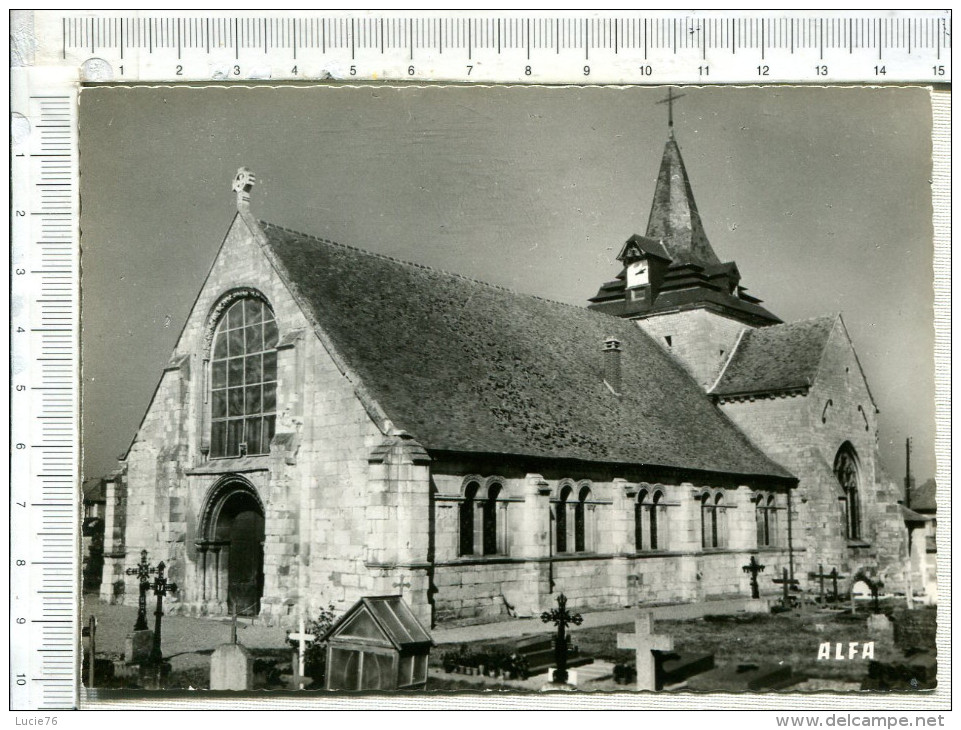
(243, 380)
(846, 471)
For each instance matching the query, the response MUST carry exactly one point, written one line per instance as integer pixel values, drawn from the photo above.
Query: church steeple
(674, 219)
(673, 267)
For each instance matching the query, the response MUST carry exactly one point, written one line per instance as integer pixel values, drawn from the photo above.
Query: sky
(821, 195)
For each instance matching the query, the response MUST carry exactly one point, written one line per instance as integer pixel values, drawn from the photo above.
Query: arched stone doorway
(232, 547)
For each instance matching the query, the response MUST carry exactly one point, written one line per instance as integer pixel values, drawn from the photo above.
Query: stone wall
(804, 434)
(612, 573)
(701, 340)
(313, 485)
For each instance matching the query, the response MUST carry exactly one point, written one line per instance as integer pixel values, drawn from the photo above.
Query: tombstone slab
(137, 645)
(878, 623)
(231, 667)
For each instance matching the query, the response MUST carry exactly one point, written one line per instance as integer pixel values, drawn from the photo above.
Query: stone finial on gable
(243, 182)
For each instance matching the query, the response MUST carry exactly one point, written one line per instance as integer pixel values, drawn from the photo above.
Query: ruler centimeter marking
(44, 401)
(648, 49)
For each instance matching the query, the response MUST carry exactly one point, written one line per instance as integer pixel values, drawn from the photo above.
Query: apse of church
(301, 449)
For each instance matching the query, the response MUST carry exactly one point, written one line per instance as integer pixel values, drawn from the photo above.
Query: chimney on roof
(243, 182)
(612, 364)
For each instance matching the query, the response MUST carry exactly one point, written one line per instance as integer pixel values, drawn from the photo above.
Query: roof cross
(671, 96)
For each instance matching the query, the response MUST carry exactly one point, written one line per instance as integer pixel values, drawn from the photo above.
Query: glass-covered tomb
(377, 644)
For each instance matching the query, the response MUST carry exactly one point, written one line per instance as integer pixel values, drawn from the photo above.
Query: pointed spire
(674, 219)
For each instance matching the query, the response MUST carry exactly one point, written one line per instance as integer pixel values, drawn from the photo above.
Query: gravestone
(644, 642)
(231, 667)
(137, 646)
(878, 623)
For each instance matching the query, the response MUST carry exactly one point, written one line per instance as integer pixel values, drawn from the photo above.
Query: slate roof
(465, 366)
(674, 217)
(94, 490)
(924, 497)
(644, 245)
(776, 358)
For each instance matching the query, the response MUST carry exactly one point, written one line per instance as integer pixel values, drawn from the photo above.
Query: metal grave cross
(754, 568)
(876, 587)
(834, 579)
(301, 637)
(671, 97)
(161, 587)
(786, 584)
(143, 571)
(822, 576)
(645, 642)
(562, 619)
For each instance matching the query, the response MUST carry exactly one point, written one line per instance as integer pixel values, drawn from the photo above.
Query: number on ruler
(763, 70)
(646, 70)
(821, 70)
(703, 70)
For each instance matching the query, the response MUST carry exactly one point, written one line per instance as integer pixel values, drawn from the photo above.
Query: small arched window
(561, 522)
(712, 520)
(483, 521)
(648, 525)
(467, 519)
(765, 514)
(846, 472)
(652, 518)
(583, 522)
(640, 517)
(243, 380)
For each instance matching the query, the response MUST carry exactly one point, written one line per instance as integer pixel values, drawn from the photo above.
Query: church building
(334, 423)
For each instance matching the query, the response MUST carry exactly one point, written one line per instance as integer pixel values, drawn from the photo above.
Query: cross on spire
(671, 96)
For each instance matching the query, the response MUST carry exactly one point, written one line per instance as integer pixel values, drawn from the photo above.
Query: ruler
(44, 392)
(648, 48)
(58, 51)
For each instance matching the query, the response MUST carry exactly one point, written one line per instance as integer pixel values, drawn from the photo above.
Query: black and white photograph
(440, 388)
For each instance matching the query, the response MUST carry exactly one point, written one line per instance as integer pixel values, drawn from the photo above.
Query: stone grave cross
(143, 572)
(161, 587)
(754, 568)
(561, 618)
(301, 637)
(645, 642)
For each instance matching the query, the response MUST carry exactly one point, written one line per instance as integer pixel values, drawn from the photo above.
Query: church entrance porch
(231, 549)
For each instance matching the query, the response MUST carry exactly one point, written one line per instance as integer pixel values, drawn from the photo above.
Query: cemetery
(808, 636)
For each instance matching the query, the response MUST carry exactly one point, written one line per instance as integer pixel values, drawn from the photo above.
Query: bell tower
(673, 284)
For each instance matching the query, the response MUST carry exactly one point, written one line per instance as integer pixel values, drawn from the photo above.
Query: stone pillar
(622, 578)
(532, 541)
(113, 539)
(399, 521)
(687, 538)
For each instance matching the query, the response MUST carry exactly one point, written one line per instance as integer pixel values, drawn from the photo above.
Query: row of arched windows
(483, 520)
